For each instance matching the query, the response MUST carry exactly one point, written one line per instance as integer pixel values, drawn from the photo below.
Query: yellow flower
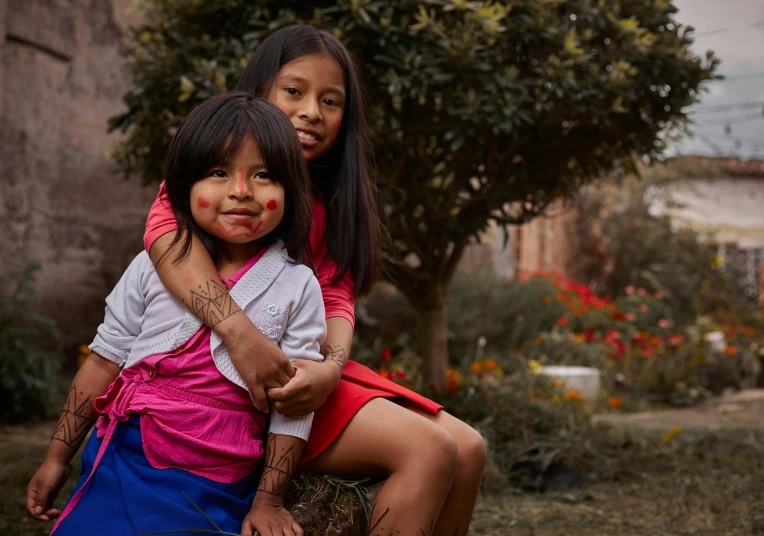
(671, 434)
(83, 349)
(535, 367)
(555, 398)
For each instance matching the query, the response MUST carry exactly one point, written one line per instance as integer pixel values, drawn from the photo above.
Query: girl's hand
(269, 518)
(312, 384)
(260, 363)
(43, 489)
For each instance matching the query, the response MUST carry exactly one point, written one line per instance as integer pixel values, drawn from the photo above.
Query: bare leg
(455, 516)
(418, 455)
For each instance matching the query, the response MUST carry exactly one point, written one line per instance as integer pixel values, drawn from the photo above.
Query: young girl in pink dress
(178, 428)
(363, 423)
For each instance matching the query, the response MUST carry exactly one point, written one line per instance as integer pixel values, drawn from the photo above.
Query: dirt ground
(701, 482)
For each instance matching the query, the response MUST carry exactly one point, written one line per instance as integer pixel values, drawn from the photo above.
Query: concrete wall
(62, 202)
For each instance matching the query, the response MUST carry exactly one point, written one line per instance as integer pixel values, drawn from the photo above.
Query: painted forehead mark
(272, 204)
(202, 202)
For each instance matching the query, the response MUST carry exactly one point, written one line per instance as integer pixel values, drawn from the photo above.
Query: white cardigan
(283, 300)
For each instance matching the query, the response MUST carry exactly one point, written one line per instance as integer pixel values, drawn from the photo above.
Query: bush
(28, 367)
(623, 245)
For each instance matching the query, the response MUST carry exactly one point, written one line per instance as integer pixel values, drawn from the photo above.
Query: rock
(63, 203)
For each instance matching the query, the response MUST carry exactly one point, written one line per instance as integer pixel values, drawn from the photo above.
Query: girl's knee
(437, 451)
(472, 451)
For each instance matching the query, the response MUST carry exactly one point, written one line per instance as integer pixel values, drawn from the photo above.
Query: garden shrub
(28, 365)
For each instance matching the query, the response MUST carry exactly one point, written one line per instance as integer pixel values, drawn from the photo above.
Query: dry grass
(707, 484)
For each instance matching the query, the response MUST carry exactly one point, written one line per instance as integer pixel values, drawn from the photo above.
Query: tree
(481, 110)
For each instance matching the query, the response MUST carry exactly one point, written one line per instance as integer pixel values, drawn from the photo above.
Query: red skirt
(359, 384)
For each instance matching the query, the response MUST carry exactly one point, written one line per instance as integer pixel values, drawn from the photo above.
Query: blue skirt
(127, 496)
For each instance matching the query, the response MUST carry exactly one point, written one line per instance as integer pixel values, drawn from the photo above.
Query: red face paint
(219, 228)
(259, 224)
(337, 124)
(272, 204)
(241, 181)
(202, 202)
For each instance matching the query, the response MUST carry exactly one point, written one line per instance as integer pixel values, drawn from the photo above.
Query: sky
(734, 30)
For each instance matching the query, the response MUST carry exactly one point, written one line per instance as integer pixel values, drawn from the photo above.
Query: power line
(735, 120)
(711, 143)
(718, 31)
(732, 137)
(731, 106)
(736, 77)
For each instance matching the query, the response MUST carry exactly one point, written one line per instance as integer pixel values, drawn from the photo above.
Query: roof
(707, 166)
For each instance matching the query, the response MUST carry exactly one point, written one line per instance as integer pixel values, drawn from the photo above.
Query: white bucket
(585, 380)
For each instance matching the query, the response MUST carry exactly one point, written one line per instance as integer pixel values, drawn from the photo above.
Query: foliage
(480, 110)
(28, 368)
(624, 245)
(646, 356)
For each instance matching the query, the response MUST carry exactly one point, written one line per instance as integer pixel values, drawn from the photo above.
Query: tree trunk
(435, 341)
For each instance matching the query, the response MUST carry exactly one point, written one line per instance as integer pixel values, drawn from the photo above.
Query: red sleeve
(339, 300)
(160, 220)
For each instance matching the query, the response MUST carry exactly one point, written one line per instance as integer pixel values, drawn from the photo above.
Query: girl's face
(311, 92)
(237, 202)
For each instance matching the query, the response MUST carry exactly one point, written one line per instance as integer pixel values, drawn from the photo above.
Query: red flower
(675, 340)
(386, 354)
(400, 374)
(562, 321)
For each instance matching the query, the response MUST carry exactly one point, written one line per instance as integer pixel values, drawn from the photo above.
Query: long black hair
(341, 176)
(211, 135)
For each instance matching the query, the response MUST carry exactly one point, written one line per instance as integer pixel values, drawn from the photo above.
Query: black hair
(210, 136)
(341, 176)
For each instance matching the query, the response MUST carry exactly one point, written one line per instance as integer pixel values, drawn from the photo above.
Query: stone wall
(63, 203)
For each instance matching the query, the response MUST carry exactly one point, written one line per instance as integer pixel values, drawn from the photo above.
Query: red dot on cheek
(272, 204)
(202, 202)
(337, 124)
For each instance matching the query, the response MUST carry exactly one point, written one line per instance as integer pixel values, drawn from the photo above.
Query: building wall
(63, 203)
(545, 244)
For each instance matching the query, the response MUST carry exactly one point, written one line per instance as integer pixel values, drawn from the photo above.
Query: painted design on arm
(278, 469)
(336, 354)
(212, 304)
(76, 418)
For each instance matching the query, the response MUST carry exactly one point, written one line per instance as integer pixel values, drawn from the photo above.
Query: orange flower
(476, 367)
(489, 364)
(730, 350)
(385, 374)
(615, 402)
(557, 383)
(572, 394)
(555, 398)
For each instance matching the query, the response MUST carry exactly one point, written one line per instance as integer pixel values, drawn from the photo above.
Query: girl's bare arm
(77, 418)
(314, 381)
